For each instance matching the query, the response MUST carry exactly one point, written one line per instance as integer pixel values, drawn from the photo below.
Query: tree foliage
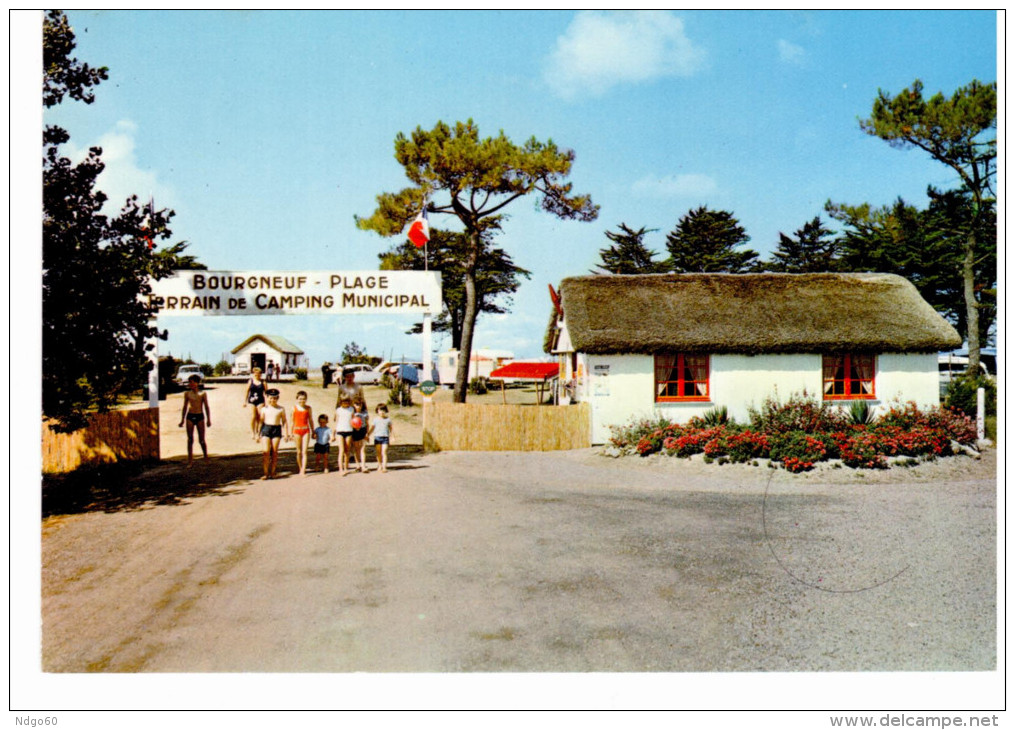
(353, 354)
(455, 172)
(96, 320)
(64, 75)
(960, 132)
(925, 247)
(812, 249)
(629, 254)
(705, 241)
(497, 276)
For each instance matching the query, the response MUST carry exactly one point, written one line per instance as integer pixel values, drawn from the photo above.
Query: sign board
(207, 293)
(601, 380)
(428, 387)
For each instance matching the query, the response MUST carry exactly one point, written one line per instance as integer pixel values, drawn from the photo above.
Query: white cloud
(674, 186)
(122, 177)
(790, 52)
(599, 51)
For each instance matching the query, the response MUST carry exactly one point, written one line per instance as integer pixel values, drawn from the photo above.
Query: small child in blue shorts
(322, 443)
(381, 429)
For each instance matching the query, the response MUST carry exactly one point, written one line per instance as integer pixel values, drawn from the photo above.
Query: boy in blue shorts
(322, 443)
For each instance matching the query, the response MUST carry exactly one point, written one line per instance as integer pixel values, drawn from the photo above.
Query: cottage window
(848, 377)
(681, 377)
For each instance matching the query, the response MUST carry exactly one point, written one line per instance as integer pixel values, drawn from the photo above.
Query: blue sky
(267, 132)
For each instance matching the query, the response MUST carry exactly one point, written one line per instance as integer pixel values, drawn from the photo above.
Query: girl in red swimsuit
(303, 416)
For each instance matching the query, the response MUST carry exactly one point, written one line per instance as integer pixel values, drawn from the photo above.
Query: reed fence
(480, 427)
(128, 435)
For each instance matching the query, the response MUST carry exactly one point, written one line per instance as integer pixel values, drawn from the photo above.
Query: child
(195, 408)
(381, 429)
(303, 416)
(359, 434)
(322, 444)
(343, 429)
(254, 396)
(272, 417)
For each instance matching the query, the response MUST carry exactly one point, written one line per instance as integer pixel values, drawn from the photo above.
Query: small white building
(258, 350)
(678, 345)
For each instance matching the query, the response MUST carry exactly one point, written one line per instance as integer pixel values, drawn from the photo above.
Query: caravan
(483, 362)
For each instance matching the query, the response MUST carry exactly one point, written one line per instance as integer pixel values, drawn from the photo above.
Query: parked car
(185, 371)
(363, 374)
(241, 368)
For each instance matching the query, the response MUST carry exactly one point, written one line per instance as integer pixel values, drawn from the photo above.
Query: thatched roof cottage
(681, 344)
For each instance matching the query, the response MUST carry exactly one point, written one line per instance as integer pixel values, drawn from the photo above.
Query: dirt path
(524, 562)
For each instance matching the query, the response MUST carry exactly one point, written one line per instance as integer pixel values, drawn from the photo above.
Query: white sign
(203, 293)
(601, 379)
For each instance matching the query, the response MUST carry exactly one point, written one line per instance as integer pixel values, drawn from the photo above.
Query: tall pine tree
(960, 132)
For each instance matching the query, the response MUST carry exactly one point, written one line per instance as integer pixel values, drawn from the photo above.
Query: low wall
(475, 427)
(130, 435)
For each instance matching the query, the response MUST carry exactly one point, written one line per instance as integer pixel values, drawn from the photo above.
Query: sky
(268, 131)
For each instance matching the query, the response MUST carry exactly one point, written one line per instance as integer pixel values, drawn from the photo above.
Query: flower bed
(802, 432)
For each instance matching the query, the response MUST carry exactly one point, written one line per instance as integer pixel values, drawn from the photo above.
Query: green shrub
(628, 435)
(803, 447)
(301, 373)
(799, 413)
(400, 394)
(206, 369)
(961, 394)
(478, 385)
(222, 367)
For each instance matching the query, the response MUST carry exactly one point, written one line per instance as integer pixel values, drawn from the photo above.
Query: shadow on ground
(132, 486)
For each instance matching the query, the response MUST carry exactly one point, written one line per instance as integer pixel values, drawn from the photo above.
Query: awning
(526, 371)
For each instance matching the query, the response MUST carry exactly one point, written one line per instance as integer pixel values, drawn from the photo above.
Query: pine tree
(960, 132)
(704, 241)
(814, 249)
(454, 172)
(497, 277)
(629, 254)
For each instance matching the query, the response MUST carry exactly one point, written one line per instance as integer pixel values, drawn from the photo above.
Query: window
(847, 377)
(681, 377)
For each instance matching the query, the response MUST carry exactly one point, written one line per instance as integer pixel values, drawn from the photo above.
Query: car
(241, 368)
(363, 374)
(186, 371)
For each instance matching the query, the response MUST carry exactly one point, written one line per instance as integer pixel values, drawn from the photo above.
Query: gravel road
(568, 561)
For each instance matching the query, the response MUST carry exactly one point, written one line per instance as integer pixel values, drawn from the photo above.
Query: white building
(258, 350)
(678, 345)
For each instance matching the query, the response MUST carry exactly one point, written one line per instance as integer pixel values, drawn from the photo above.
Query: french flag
(148, 228)
(419, 231)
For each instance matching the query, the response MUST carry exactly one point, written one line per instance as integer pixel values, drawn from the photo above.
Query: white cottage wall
(907, 377)
(620, 388)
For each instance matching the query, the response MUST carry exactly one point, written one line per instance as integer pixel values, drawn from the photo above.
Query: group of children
(352, 429)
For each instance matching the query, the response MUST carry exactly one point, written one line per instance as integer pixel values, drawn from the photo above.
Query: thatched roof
(751, 314)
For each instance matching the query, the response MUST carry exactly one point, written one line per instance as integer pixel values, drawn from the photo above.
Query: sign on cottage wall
(203, 293)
